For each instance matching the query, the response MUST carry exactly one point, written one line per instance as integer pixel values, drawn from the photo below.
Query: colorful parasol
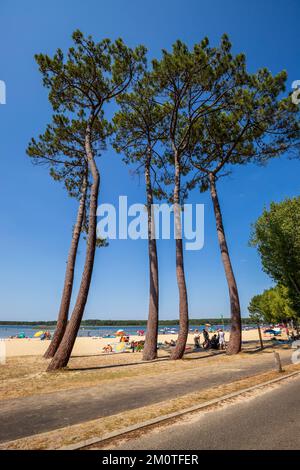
(38, 334)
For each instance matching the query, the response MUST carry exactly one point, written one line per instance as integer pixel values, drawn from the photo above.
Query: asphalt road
(269, 421)
(23, 417)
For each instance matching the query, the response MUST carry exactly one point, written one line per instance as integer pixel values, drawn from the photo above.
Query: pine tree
(80, 84)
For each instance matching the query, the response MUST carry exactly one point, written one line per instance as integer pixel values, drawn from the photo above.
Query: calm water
(7, 331)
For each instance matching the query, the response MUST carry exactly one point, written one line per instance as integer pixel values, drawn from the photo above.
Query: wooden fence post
(278, 365)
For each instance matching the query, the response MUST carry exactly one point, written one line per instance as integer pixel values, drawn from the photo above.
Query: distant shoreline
(89, 323)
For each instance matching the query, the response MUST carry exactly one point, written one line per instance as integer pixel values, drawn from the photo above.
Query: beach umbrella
(38, 334)
(21, 335)
(120, 333)
(207, 324)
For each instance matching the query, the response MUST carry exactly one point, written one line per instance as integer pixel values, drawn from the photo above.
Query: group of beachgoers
(282, 333)
(45, 335)
(210, 340)
(216, 341)
(133, 346)
(42, 335)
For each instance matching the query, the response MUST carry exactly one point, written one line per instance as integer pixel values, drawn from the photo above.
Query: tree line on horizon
(183, 121)
(96, 322)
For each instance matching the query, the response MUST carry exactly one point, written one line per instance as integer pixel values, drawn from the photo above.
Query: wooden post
(260, 337)
(278, 365)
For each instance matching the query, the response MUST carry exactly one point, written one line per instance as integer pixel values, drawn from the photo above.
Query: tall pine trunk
(64, 350)
(150, 349)
(235, 340)
(179, 349)
(62, 319)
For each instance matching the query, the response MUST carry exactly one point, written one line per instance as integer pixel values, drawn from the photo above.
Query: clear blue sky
(37, 215)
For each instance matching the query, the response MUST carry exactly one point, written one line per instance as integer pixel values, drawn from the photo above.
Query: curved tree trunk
(179, 349)
(235, 340)
(64, 351)
(150, 349)
(62, 319)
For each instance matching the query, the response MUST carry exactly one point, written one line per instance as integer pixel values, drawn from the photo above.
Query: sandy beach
(93, 345)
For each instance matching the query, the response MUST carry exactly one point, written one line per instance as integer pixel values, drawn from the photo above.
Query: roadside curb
(161, 419)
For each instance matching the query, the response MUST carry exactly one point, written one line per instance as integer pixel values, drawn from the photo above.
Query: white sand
(93, 346)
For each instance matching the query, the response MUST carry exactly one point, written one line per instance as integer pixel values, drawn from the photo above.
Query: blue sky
(37, 215)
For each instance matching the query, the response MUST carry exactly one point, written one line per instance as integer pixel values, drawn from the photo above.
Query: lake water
(8, 330)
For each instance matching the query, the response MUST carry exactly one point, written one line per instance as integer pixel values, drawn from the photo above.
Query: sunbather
(214, 342)
(108, 348)
(170, 343)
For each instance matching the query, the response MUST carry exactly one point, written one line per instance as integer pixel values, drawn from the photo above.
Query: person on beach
(124, 339)
(196, 340)
(206, 339)
(287, 332)
(222, 343)
(108, 348)
(170, 343)
(139, 346)
(214, 342)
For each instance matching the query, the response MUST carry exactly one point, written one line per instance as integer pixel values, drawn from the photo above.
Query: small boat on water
(169, 331)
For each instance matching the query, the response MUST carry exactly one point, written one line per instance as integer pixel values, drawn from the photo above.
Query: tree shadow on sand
(268, 348)
(207, 354)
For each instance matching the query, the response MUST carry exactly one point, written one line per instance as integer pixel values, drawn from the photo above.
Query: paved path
(35, 414)
(270, 421)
